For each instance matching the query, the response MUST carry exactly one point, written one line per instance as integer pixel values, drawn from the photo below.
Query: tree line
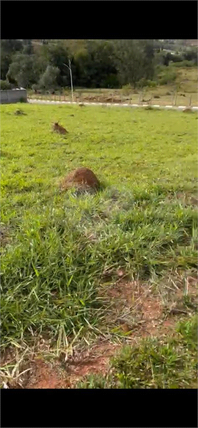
(95, 63)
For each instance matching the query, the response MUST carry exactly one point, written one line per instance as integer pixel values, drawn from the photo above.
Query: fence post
(139, 98)
(176, 99)
(190, 101)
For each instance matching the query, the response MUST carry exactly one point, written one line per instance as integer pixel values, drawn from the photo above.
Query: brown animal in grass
(83, 179)
(58, 128)
(81, 105)
(19, 112)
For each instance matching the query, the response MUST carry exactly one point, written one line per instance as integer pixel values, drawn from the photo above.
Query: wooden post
(190, 101)
(72, 89)
(140, 98)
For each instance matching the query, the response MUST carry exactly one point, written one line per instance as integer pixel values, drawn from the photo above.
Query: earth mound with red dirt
(82, 179)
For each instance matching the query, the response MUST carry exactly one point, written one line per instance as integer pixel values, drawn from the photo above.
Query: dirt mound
(83, 179)
(58, 128)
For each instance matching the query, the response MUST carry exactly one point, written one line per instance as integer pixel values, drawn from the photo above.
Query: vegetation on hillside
(95, 63)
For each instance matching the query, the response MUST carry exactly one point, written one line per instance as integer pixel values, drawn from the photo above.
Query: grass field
(84, 276)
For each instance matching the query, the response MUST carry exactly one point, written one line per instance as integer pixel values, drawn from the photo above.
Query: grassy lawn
(64, 258)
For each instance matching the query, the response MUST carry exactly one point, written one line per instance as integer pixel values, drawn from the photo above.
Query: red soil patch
(150, 316)
(94, 361)
(128, 299)
(145, 307)
(64, 375)
(44, 376)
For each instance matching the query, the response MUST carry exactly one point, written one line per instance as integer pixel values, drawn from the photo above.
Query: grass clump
(154, 363)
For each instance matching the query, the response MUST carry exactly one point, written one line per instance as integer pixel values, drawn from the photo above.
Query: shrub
(167, 76)
(111, 81)
(5, 85)
(145, 82)
(184, 63)
(48, 80)
(127, 89)
(22, 100)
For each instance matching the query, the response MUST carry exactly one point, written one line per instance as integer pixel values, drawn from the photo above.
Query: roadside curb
(35, 101)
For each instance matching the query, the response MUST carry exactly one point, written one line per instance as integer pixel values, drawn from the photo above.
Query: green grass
(154, 363)
(59, 244)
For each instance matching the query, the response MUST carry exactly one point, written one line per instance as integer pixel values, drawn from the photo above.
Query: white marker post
(71, 79)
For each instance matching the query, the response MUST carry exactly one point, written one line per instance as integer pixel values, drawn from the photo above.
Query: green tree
(148, 59)
(57, 56)
(48, 81)
(130, 61)
(28, 48)
(8, 48)
(95, 65)
(22, 70)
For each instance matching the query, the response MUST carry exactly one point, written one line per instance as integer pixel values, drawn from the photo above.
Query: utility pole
(71, 79)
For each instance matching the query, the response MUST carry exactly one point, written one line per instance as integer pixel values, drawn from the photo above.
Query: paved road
(35, 101)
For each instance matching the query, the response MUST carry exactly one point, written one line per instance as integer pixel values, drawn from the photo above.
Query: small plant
(146, 83)
(167, 77)
(5, 85)
(127, 89)
(184, 63)
(149, 108)
(153, 363)
(22, 100)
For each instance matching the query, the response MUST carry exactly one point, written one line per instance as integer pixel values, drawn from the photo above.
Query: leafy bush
(145, 82)
(184, 63)
(5, 85)
(49, 78)
(167, 76)
(35, 87)
(22, 100)
(111, 81)
(127, 89)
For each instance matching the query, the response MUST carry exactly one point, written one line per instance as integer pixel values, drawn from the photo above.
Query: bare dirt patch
(59, 373)
(141, 309)
(187, 198)
(137, 310)
(3, 236)
(45, 375)
(93, 361)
